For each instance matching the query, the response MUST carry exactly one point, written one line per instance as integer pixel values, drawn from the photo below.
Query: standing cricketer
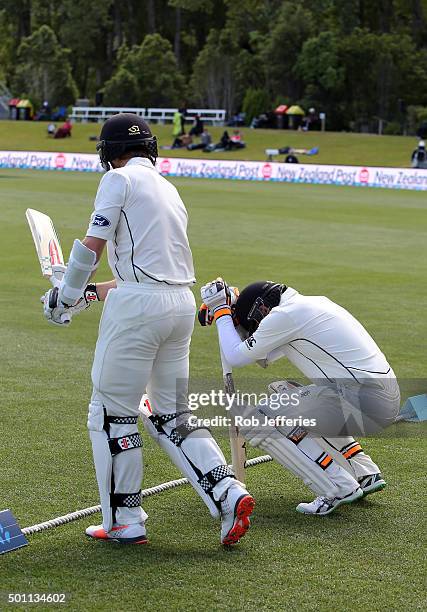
(144, 338)
(353, 390)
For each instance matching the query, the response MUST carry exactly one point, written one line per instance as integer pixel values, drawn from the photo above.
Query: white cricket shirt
(322, 339)
(144, 220)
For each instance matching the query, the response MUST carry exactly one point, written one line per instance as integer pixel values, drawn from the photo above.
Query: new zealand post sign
(353, 176)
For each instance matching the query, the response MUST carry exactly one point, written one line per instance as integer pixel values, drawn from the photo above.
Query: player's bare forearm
(95, 244)
(102, 289)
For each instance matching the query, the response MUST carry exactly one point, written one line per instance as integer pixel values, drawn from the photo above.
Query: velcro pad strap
(159, 420)
(213, 477)
(182, 428)
(125, 500)
(118, 445)
(122, 420)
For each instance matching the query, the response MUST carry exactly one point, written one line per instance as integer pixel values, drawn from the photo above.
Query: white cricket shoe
(236, 508)
(324, 505)
(372, 483)
(123, 534)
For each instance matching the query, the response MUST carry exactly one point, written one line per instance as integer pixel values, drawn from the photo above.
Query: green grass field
(335, 148)
(366, 249)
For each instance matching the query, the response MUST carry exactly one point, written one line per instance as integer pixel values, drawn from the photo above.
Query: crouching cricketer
(144, 338)
(353, 391)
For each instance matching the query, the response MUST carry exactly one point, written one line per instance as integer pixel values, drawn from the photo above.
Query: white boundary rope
(160, 488)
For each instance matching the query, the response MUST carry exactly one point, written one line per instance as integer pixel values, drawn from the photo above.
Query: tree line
(357, 60)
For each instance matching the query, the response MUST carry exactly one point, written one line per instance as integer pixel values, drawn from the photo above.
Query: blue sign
(11, 536)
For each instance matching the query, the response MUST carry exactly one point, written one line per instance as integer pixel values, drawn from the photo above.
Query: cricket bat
(47, 244)
(46, 241)
(237, 442)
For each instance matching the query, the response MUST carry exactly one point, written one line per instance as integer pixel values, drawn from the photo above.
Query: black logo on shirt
(250, 342)
(100, 221)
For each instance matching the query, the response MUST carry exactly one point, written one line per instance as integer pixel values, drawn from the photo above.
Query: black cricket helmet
(255, 302)
(125, 132)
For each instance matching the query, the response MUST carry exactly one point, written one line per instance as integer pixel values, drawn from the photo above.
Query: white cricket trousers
(144, 344)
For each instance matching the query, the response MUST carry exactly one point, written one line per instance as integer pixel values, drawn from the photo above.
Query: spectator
(184, 140)
(419, 156)
(236, 141)
(183, 112)
(177, 130)
(205, 141)
(65, 130)
(225, 144)
(44, 112)
(311, 121)
(197, 127)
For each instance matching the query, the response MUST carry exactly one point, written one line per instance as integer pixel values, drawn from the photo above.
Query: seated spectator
(226, 143)
(236, 141)
(51, 129)
(197, 127)
(419, 156)
(186, 140)
(182, 141)
(65, 130)
(205, 141)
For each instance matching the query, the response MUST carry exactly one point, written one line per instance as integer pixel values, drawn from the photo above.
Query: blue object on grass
(11, 536)
(414, 409)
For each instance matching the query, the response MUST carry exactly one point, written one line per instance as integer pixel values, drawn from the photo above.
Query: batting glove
(206, 315)
(55, 312)
(90, 295)
(217, 297)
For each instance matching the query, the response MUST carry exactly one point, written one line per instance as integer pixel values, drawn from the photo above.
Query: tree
(319, 67)
(282, 46)
(256, 101)
(213, 82)
(122, 89)
(150, 75)
(87, 29)
(379, 70)
(44, 69)
(6, 48)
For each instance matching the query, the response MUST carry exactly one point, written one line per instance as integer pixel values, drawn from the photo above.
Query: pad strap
(180, 432)
(125, 500)
(121, 420)
(118, 445)
(212, 478)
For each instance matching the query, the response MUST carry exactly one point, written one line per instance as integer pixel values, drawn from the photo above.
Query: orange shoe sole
(102, 535)
(242, 523)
